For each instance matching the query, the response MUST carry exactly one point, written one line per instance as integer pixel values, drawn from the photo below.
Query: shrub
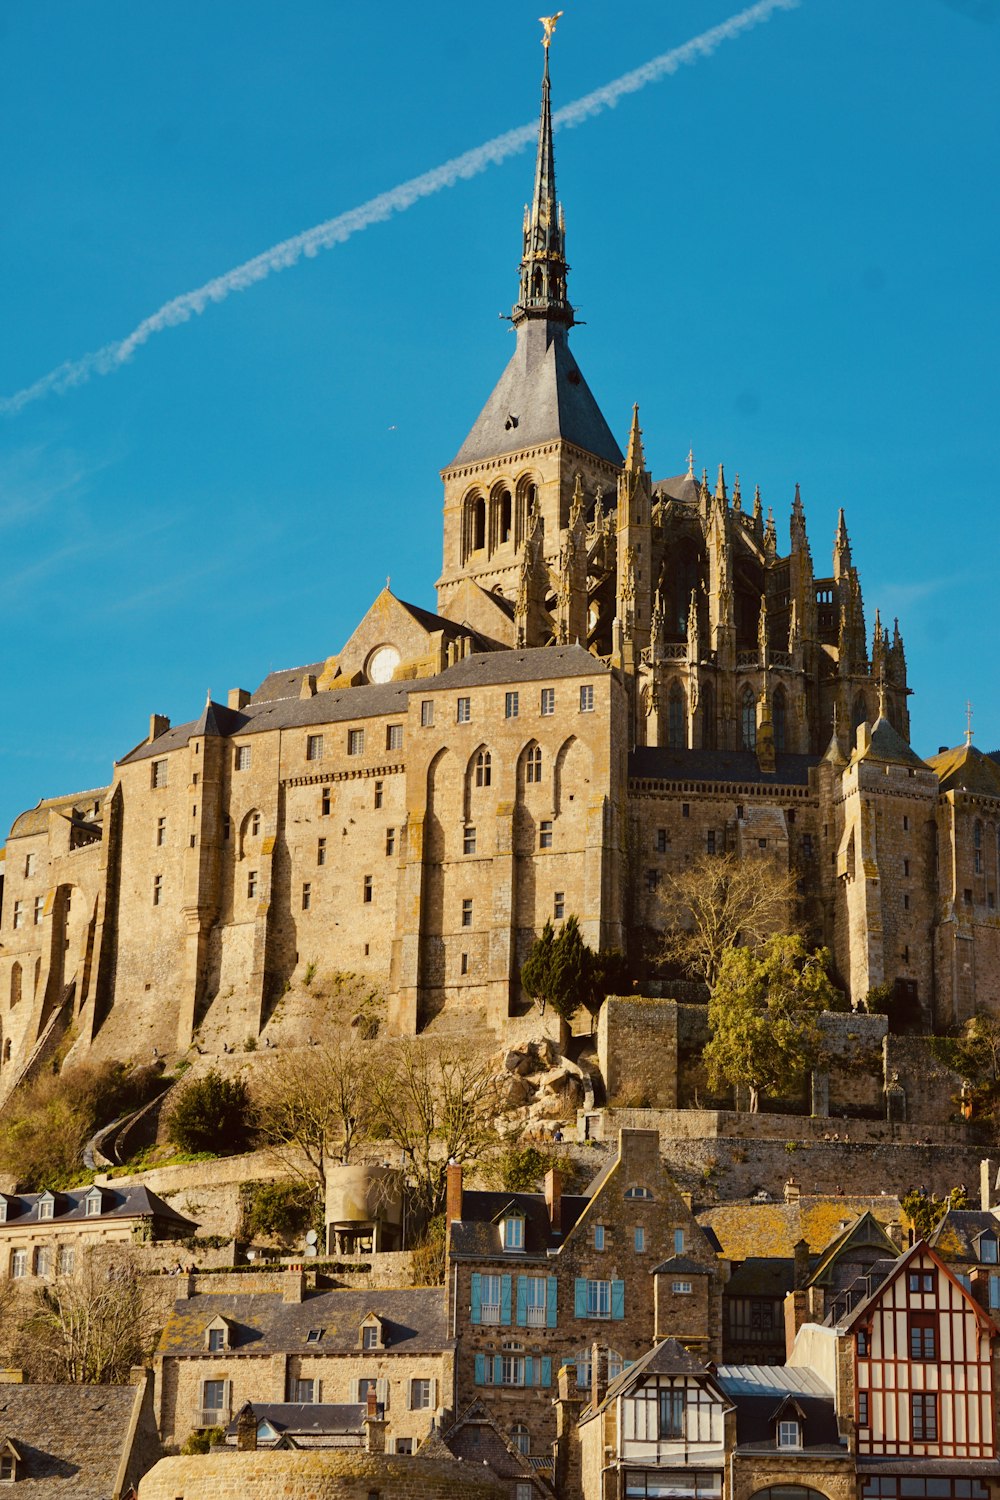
(47, 1124)
(277, 1210)
(428, 1255)
(212, 1114)
(202, 1440)
(520, 1169)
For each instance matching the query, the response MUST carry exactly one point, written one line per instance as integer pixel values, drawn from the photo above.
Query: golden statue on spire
(549, 22)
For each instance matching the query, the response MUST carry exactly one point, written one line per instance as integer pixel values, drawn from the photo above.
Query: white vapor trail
(335, 231)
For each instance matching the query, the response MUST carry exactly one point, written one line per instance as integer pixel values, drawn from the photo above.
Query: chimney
(792, 1191)
(158, 724)
(294, 1285)
(238, 698)
(987, 1185)
(308, 688)
(800, 1251)
(553, 1199)
(598, 1375)
(864, 736)
(453, 1200)
(895, 1232)
(375, 1424)
(246, 1430)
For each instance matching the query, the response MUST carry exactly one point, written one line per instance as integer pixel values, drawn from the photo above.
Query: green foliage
(975, 1055)
(764, 1016)
(565, 973)
(212, 1114)
(250, 1044)
(202, 1440)
(46, 1125)
(428, 1255)
(520, 1169)
(925, 1212)
(277, 1210)
(310, 974)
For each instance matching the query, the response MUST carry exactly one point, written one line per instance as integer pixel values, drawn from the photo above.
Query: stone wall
(315, 1476)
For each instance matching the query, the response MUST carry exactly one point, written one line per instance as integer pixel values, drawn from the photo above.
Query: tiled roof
(541, 396)
(758, 1392)
(680, 1265)
(657, 763)
(541, 664)
(313, 1420)
(477, 1437)
(761, 1276)
(414, 1322)
(36, 819)
(774, 1229)
(956, 1236)
(888, 746)
(966, 769)
(71, 1437)
(669, 1357)
(129, 1203)
(477, 1233)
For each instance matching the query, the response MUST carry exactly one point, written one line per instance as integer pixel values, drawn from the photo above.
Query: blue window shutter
(546, 1372)
(480, 1369)
(477, 1297)
(551, 1300)
(497, 1370)
(529, 1371)
(522, 1301)
(505, 1299)
(580, 1297)
(618, 1299)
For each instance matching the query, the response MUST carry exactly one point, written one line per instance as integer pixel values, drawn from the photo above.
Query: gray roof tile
(414, 1321)
(71, 1437)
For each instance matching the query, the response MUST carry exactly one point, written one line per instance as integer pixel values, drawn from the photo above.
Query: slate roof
(759, 1391)
(540, 396)
(657, 763)
(761, 1276)
(477, 1437)
(680, 1265)
(865, 1240)
(955, 1237)
(71, 1437)
(117, 1203)
(286, 682)
(541, 664)
(679, 487)
(313, 1420)
(774, 1229)
(477, 1233)
(669, 1357)
(888, 746)
(851, 1306)
(414, 1321)
(36, 819)
(966, 769)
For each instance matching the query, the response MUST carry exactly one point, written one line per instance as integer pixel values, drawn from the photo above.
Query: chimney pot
(453, 1199)
(553, 1198)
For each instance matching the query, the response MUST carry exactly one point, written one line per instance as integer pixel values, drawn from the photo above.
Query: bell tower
(539, 441)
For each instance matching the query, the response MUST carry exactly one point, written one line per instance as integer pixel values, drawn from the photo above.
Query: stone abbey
(623, 673)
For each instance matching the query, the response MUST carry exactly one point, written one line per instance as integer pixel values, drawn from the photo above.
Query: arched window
(536, 284)
(521, 1438)
(789, 1492)
(484, 768)
(859, 713)
(779, 719)
(478, 523)
(676, 718)
(748, 719)
(533, 764)
(15, 985)
(506, 516)
(708, 731)
(685, 583)
(977, 847)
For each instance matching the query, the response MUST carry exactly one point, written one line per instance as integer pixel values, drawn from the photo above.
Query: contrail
(335, 231)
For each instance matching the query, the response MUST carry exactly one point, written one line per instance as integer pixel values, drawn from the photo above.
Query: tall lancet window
(676, 718)
(748, 719)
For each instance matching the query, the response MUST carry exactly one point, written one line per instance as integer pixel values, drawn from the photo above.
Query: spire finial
(968, 721)
(542, 291)
(720, 484)
(635, 459)
(690, 472)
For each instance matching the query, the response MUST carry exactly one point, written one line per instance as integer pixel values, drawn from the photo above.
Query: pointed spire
(841, 548)
(690, 472)
(770, 534)
(577, 504)
(543, 264)
(720, 485)
(758, 511)
(635, 459)
(737, 495)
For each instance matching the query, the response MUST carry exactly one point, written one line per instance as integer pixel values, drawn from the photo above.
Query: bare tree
(720, 902)
(92, 1327)
(318, 1103)
(437, 1104)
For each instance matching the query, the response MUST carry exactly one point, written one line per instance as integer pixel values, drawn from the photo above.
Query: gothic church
(623, 673)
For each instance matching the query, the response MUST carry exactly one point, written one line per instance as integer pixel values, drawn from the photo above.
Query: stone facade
(315, 1476)
(623, 673)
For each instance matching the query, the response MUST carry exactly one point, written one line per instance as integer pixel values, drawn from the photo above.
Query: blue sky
(787, 253)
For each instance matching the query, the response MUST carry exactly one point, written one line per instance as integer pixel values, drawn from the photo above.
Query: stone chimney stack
(238, 698)
(553, 1199)
(792, 1191)
(375, 1424)
(158, 724)
(987, 1185)
(598, 1375)
(294, 1285)
(453, 1200)
(246, 1430)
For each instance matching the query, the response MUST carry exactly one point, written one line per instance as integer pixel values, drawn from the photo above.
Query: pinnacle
(635, 460)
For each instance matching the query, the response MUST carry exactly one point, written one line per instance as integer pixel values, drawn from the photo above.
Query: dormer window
(513, 1232)
(789, 1433)
(3, 1209)
(46, 1206)
(94, 1203)
(988, 1249)
(370, 1336)
(9, 1460)
(217, 1336)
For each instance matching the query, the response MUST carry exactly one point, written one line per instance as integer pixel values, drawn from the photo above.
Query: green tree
(975, 1054)
(536, 971)
(564, 972)
(764, 1013)
(212, 1114)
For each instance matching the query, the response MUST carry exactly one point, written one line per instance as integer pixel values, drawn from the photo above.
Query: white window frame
(314, 747)
(513, 1232)
(242, 758)
(490, 1297)
(46, 1208)
(587, 699)
(682, 1288)
(598, 1298)
(789, 1433)
(463, 711)
(355, 742)
(547, 702)
(424, 1386)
